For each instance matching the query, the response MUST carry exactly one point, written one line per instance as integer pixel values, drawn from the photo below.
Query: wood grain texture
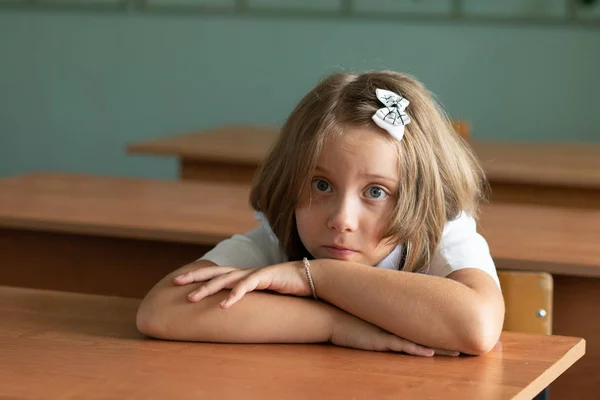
(233, 144)
(545, 195)
(562, 164)
(89, 264)
(61, 210)
(576, 301)
(557, 240)
(551, 239)
(196, 212)
(63, 346)
(217, 172)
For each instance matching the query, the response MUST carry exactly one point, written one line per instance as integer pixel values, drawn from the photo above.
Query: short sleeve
(462, 247)
(249, 250)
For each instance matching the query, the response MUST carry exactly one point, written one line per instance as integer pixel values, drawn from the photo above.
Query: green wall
(75, 88)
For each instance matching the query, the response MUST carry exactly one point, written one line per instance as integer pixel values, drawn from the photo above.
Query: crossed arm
(462, 312)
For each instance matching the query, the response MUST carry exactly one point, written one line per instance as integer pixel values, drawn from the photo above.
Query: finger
(244, 286)
(202, 274)
(411, 348)
(217, 284)
(448, 353)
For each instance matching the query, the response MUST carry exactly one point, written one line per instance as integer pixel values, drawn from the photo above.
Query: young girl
(367, 238)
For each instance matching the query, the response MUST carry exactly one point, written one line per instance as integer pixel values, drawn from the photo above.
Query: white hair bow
(392, 117)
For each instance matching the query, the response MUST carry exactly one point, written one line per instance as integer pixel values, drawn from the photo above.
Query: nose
(343, 215)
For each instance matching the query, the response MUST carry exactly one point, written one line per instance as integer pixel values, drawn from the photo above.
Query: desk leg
(89, 264)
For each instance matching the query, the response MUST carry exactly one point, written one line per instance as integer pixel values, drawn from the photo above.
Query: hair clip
(392, 117)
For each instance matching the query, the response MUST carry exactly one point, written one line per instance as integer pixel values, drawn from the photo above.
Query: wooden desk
(63, 345)
(564, 242)
(565, 174)
(119, 236)
(560, 174)
(111, 236)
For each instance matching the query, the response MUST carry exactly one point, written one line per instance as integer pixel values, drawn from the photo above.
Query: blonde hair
(439, 175)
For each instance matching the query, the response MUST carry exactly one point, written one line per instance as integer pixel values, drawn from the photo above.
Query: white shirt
(460, 247)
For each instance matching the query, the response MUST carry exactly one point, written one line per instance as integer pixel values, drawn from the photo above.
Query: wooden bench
(66, 345)
(119, 236)
(563, 174)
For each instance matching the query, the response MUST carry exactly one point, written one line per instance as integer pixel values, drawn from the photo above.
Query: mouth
(339, 251)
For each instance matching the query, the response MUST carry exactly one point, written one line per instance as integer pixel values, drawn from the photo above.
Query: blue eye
(375, 192)
(321, 186)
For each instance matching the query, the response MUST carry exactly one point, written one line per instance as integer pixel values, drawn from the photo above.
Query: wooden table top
(557, 163)
(556, 240)
(561, 241)
(235, 144)
(554, 163)
(185, 212)
(63, 345)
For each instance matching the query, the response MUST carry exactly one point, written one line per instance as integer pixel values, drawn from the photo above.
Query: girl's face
(348, 205)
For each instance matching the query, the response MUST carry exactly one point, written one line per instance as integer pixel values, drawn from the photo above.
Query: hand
(353, 332)
(286, 278)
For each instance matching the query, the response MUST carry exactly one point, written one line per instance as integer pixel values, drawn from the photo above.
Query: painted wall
(76, 88)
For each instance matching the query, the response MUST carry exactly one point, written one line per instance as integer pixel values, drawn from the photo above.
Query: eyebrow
(373, 176)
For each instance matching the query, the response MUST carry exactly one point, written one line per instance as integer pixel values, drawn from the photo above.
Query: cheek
(304, 220)
(310, 221)
(378, 226)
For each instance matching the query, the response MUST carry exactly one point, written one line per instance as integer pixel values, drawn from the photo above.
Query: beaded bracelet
(310, 281)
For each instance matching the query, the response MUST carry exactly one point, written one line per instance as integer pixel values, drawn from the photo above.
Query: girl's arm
(166, 313)
(262, 317)
(464, 312)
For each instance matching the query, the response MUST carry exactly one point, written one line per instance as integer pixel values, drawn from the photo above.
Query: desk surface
(63, 345)
(184, 212)
(236, 144)
(559, 164)
(557, 240)
(562, 241)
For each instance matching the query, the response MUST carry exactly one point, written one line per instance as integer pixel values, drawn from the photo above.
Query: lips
(339, 252)
(340, 248)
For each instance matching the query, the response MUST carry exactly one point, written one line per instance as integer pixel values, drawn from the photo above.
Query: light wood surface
(543, 238)
(558, 173)
(80, 232)
(551, 239)
(113, 236)
(232, 144)
(561, 164)
(63, 346)
(192, 212)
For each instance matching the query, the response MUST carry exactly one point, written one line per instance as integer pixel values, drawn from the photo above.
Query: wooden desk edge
(212, 239)
(116, 232)
(579, 270)
(533, 179)
(195, 156)
(550, 375)
(11, 291)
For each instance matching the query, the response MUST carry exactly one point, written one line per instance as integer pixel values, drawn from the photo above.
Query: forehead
(360, 150)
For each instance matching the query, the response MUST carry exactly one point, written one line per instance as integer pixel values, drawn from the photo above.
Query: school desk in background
(62, 345)
(119, 236)
(564, 174)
